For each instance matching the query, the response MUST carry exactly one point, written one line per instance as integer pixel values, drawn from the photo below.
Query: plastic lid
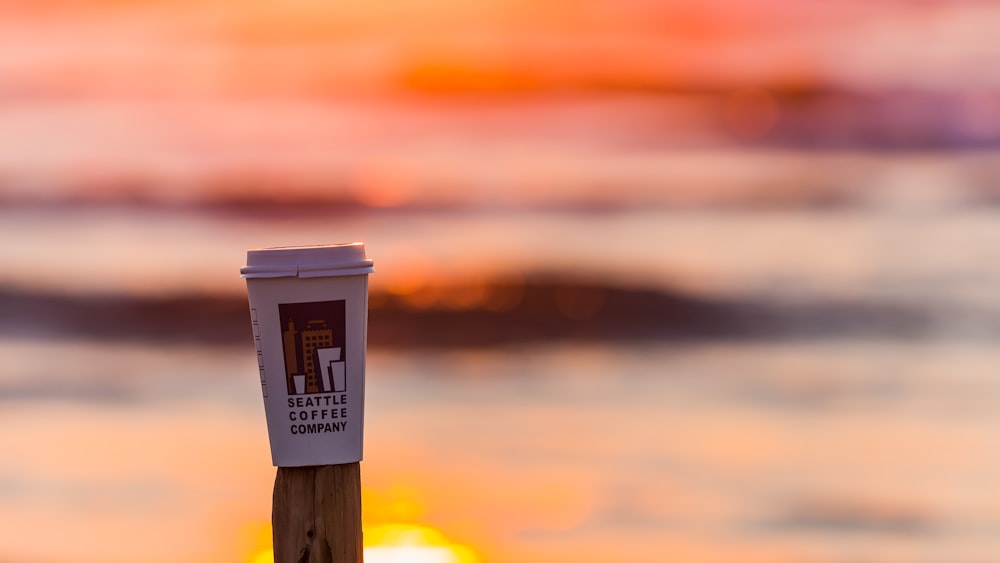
(307, 261)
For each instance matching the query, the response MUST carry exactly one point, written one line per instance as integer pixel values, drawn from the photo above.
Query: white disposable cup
(309, 312)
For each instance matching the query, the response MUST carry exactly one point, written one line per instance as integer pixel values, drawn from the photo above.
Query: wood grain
(316, 514)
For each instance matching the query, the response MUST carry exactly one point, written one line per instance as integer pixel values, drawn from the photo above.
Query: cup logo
(313, 340)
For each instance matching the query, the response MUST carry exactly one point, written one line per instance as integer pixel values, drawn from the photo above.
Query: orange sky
(322, 48)
(398, 102)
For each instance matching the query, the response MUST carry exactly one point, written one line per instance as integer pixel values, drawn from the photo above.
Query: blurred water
(819, 451)
(940, 257)
(841, 448)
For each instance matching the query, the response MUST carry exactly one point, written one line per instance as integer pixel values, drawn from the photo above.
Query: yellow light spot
(398, 503)
(255, 538)
(390, 543)
(410, 543)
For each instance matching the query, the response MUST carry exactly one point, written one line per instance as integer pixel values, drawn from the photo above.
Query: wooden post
(316, 514)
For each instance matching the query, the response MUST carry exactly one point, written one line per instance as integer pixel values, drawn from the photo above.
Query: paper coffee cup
(309, 312)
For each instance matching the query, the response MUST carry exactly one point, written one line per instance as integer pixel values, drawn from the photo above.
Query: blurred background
(657, 280)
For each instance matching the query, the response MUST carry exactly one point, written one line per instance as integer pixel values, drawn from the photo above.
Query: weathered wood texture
(316, 515)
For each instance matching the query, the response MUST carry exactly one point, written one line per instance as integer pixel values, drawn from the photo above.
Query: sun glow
(409, 543)
(397, 543)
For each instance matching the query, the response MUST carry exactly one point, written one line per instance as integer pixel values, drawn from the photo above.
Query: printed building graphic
(313, 341)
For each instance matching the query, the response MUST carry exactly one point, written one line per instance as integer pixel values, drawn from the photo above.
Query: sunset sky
(384, 103)
(307, 47)
(829, 164)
